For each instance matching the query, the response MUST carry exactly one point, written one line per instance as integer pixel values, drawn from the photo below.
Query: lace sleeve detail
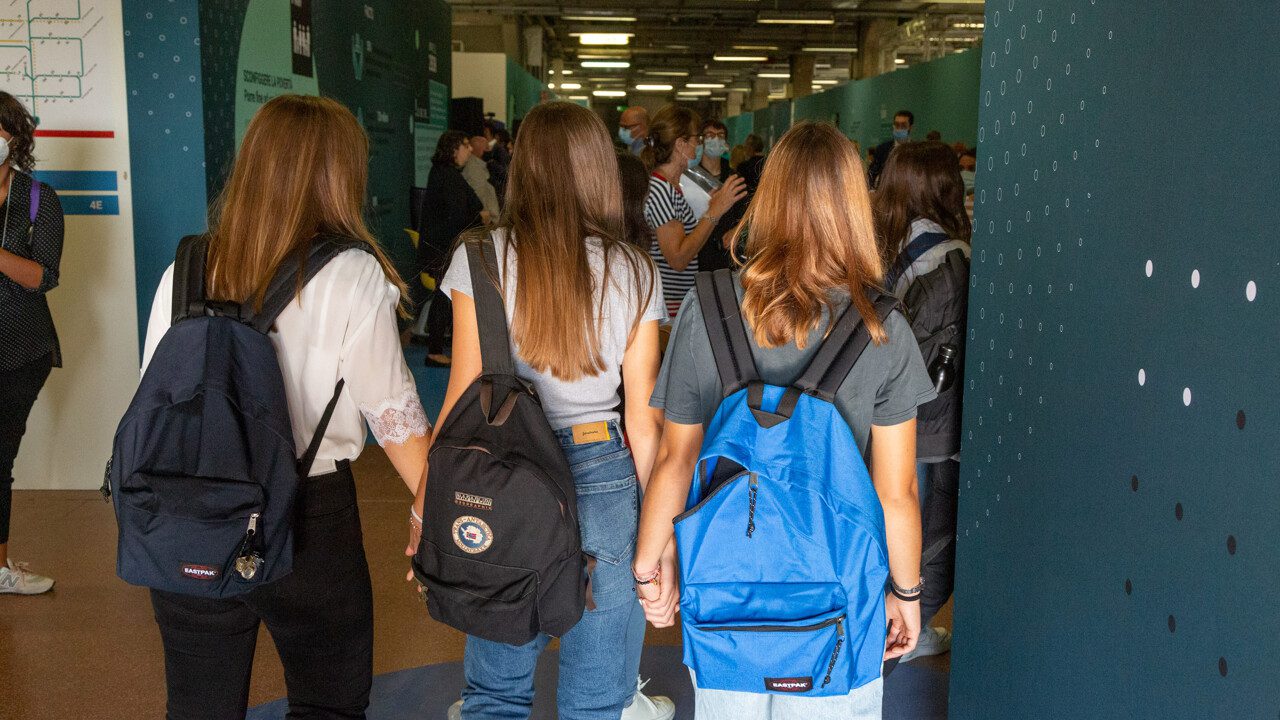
(397, 419)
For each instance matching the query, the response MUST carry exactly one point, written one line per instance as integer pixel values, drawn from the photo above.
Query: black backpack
(937, 305)
(204, 471)
(501, 556)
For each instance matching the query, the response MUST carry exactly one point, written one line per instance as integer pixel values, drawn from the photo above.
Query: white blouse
(343, 326)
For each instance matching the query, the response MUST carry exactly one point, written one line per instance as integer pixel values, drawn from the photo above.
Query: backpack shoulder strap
(841, 350)
(284, 284)
(35, 203)
(912, 252)
(491, 313)
(188, 278)
(718, 300)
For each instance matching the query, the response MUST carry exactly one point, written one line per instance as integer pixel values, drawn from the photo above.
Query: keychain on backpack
(248, 557)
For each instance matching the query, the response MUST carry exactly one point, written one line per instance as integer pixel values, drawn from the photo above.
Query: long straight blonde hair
(301, 172)
(563, 188)
(809, 233)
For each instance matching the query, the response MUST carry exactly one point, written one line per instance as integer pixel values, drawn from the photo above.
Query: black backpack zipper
(719, 489)
(837, 621)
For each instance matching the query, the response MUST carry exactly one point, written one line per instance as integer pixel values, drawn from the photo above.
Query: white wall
(482, 75)
(69, 433)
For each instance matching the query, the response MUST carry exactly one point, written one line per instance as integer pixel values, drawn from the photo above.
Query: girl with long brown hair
(583, 307)
(921, 220)
(301, 174)
(811, 253)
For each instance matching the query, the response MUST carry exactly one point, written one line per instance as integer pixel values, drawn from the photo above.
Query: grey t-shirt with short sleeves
(884, 388)
(593, 398)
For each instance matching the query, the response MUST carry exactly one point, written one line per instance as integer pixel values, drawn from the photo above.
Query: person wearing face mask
(633, 128)
(670, 147)
(903, 120)
(968, 173)
(449, 207)
(30, 252)
(709, 171)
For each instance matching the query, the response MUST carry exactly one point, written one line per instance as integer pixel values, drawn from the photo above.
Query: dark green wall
(1118, 524)
(524, 91)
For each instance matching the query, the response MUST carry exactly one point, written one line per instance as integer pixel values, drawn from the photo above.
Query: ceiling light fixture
(774, 75)
(899, 61)
(694, 93)
(598, 18)
(755, 47)
(595, 38)
(650, 87)
(740, 58)
(579, 97)
(829, 49)
(570, 86)
(667, 73)
(705, 86)
(605, 64)
(609, 93)
(795, 18)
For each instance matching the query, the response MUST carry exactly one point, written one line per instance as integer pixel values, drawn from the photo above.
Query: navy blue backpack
(782, 549)
(204, 471)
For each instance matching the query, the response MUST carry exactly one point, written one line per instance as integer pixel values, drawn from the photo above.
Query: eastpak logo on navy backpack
(204, 471)
(782, 549)
(501, 555)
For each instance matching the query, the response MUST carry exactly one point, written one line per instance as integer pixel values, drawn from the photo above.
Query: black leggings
(938, 561)
(18, 390)
(320, 617)
(439, 323)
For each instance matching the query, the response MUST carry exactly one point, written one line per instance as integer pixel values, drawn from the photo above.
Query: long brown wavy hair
(809, 234)
(671, 123)
(301, 172)
(920, 180)
(563, 188)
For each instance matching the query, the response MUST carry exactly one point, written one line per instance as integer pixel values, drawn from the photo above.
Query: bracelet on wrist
(414, 518)
(649, 577)
(906, 594)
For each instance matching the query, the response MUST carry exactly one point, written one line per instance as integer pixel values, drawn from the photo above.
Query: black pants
(320, 617)
(938, 555)
(18, 391)
(439, 322)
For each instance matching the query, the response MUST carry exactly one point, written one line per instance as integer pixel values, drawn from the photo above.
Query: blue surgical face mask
(624, 134)
(900, 134)
(967, 176)
(697, 157)
(715, 147)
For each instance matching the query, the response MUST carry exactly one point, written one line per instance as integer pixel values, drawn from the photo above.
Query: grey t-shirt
(884, 388)
(589, 399)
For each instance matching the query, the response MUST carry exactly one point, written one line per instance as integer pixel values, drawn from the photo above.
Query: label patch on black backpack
(200, 572)
(790, 685)
(478, 502)
(472, 534)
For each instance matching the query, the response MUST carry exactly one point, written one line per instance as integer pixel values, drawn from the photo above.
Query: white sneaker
(933, 641)
(16, 579)
(455, 711)
(643, 707)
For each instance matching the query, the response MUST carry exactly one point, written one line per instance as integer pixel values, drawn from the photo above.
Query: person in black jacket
(30, 252)
(449, 207)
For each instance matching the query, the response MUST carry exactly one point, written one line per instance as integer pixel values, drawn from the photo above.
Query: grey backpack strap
(718, 300)
(491, 314)
(188, 278)
(841, 350)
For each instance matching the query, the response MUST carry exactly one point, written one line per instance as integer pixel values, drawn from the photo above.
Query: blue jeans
(599, 656)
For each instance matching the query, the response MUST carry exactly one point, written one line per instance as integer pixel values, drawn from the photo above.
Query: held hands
(660, 597)
(724, 197)
(903, 617)
(415, 536)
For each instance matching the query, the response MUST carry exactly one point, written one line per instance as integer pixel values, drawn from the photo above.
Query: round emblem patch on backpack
(472, 534)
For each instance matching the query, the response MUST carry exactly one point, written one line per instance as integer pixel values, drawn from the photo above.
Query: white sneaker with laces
(643, 707)
(933, 641)
(16, 579)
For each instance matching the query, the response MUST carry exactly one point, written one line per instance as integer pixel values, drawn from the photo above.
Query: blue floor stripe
(425, 693)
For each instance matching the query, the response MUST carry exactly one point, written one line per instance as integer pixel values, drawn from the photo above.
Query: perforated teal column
(1118, 527)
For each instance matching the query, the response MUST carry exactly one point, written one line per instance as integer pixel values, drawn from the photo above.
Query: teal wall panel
(739, 127)
(524, 91)
(1117, 523)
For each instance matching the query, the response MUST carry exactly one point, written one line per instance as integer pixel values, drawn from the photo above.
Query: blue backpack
(203, 471)
(782, 548)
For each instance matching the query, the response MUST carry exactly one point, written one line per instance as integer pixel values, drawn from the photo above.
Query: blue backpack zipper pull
(835, 653)
(751, 500)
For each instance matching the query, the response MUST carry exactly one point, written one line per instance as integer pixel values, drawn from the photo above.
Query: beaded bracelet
(648, 578)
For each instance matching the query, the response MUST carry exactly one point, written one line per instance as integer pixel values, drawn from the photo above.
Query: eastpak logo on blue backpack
(782, 548)
(204, 472)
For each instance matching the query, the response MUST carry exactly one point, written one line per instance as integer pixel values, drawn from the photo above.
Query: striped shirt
(665, 203)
